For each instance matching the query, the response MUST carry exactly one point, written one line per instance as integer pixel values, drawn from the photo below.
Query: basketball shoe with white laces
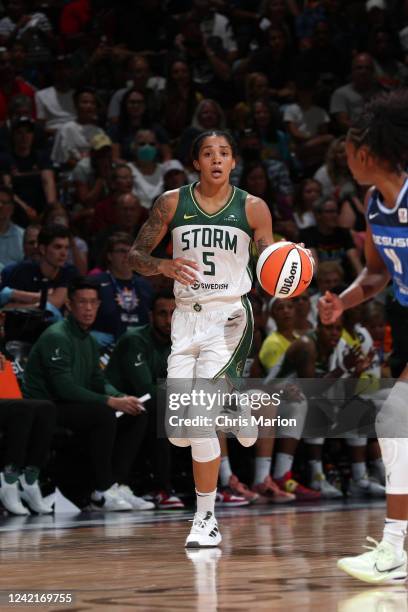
(137, 503)
(381, 565)
(10, 498)
(204, 532)
(31, 494)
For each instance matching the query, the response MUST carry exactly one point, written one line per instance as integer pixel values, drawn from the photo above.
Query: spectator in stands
(138, 74)
(137, 363)
(55, 104)
(266, 122)
(11, 235)
(334, 174)
(22, 68)
(330, 242)
(74, 18)
(27, 427)
(147, 171)
(308, 125)
(390, 73)
(73, 139)
(133, 117)
(63, 367)
(51, 274)
(179, 98)
(208, 115)
(352, 214)
(303, 317)
(276, 60)
(329, 277)
(125, 296)
(348, 100)
(307, 192)
(174, 174)
(21, 106)
(92, 175)
(78, 248)
(28, 171)
(33, 29)
(30, 242)
(105, 210)
(10, 85)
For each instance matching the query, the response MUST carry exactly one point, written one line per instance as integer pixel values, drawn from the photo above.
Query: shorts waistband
(208, 306)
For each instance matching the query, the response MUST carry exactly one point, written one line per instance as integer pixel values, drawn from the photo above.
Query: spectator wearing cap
(73, 139)
(174, 174)
(92, 175)
(10, 84)
(55, 104)
(347, 101)
(21, 106)
(11, 235)
(28, 170)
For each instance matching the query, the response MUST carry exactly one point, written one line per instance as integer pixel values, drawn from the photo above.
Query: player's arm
(260, 220)
(373, 278)
(151, 233)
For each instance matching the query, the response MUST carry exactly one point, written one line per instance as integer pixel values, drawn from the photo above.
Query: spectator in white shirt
(73, 140)
(55, 105)
(147, 172)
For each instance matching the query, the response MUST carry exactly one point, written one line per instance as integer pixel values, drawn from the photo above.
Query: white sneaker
(236, 419)
(366, 487)
(10, 498)
(387, 600)
(111, 501)
(31, 494)
(137, 503)
(204, 532)
(327, 490)
(381, 565)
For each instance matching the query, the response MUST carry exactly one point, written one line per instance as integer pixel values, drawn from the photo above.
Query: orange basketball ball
(284, 270)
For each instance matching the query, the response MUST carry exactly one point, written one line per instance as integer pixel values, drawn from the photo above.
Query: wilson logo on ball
(284, 269)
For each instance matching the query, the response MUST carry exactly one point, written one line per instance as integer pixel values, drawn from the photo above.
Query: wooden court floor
(267, 561)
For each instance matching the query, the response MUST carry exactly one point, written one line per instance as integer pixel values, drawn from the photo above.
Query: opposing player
(212, 225)
(377, 154)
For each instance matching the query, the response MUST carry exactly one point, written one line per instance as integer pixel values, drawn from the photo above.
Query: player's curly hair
(383, 128)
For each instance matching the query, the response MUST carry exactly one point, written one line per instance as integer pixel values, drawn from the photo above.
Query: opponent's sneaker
(270, 493)
(302, 493)
(204, 532)
(10, 498)
(327, 490)
(241, 489)
(137, 503)
(366, 487)
(166, 501)
(31, 494)
(111, 501)
(381, 565)
(227, 499)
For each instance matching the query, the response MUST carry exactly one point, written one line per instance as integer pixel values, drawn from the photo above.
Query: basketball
(284, 270)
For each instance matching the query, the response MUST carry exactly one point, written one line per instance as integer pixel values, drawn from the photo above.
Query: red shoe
(225, 498)
(241, 489)
(302, 493)
(167, 501)
(270, 493)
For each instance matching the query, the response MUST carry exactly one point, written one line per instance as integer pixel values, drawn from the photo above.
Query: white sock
(394, 533)
(206, 501)
(283, 464)
(262, 469)
(358, 470)
(225, 471)
(316, 467)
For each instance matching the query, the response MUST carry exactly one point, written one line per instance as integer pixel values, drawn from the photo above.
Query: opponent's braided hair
(383, 128)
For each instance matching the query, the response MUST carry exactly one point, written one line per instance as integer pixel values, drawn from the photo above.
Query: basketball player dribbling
(213, 225)
(377, 154)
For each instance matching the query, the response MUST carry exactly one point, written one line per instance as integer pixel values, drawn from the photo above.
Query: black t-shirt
(27, 276)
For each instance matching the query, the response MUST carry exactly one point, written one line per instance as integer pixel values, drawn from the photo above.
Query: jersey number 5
(396, 262)
(210, 271)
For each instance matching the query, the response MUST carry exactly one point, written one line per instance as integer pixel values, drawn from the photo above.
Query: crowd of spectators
(100, 102)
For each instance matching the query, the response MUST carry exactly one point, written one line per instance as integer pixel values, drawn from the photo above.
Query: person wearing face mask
(147, 172)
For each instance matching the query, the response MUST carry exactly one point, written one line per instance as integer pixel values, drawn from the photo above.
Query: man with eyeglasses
(64, 367)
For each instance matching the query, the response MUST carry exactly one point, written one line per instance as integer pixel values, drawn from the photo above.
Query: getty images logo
(289, 280)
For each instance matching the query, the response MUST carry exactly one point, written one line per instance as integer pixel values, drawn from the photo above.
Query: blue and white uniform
(389, 227)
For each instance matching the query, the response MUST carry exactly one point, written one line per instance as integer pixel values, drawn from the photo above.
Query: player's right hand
(128, 404)
(179, 269)
(330, 308)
